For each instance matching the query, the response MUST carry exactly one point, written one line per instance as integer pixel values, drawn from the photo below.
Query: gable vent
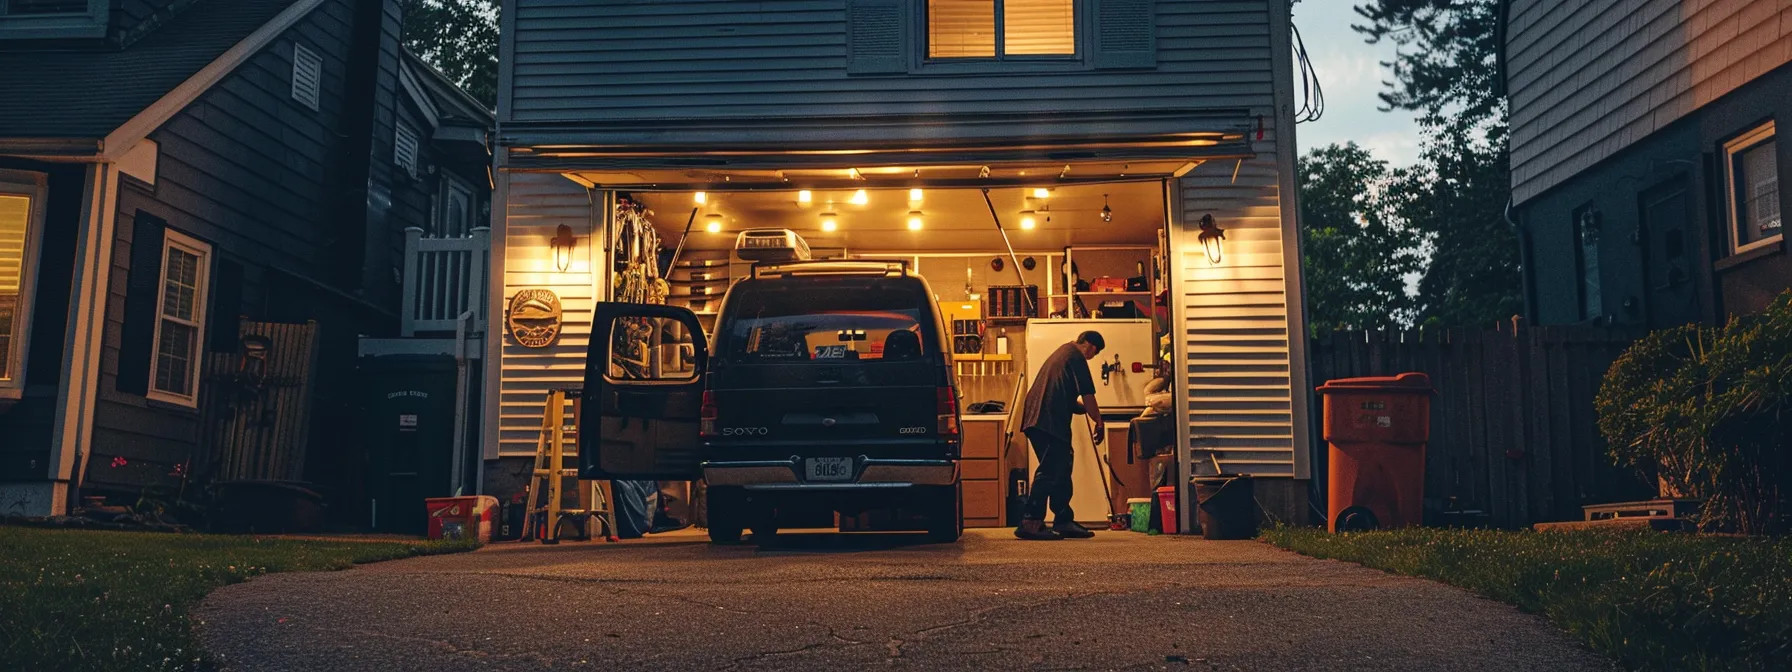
(31, 7)
(1125, 34)
(307, 75)
(404, 148)
(876, 37)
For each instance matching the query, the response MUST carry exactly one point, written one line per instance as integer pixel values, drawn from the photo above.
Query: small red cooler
(461, 517)
(1166, 502)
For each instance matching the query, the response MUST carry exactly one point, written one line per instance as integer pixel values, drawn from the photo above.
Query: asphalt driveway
(1121, 600)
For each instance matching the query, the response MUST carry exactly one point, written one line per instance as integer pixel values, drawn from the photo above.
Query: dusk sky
(1351, 74)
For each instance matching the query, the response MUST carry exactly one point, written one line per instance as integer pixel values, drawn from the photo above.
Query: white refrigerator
(1121, 395)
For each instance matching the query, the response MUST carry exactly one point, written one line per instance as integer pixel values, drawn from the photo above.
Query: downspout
(458, 473)
(1526, 278)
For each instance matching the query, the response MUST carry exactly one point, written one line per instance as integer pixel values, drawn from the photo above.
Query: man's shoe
(1033, 530)
(1071, 530)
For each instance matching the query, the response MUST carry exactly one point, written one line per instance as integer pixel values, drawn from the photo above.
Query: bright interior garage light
(829, 222)
(702, 198)
(914, 220)
(1026, 220)
(804, 197)
(914, 195)
(1041, 192)
(712, 223)
(860, 198)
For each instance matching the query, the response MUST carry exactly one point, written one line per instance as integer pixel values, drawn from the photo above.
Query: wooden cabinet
(981, 470)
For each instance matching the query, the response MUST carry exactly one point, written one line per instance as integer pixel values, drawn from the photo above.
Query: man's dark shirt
(1053, 398)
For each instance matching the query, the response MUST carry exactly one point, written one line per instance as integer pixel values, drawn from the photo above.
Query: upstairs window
(1000, 28)
(52, 19)
(1754, 184)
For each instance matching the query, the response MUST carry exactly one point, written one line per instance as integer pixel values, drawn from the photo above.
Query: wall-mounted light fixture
(712, 222)
(562, 242)
(830, 222)
(1211, 237)
(1107, 213)
(914, 220)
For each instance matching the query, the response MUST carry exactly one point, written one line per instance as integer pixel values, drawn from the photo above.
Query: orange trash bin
(1376, 429)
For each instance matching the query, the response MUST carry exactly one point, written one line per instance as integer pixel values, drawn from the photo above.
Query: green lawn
(1650, 600)
(85, 600)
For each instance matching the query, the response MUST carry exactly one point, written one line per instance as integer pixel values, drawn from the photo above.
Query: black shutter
(877, 37)
(227, 304)
(1125, 34)
(143, 285)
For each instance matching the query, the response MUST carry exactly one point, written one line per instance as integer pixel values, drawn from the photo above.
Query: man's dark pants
(1051, 481)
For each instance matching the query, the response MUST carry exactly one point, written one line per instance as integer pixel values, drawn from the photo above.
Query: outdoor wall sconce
(1210, 237)
(1107, 213)
(562, 243)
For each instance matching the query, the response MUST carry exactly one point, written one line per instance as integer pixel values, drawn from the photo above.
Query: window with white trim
(21, 221)
(180, 319)
(1000, 29)
(52, 19)
(307, 75)
(1753, 177)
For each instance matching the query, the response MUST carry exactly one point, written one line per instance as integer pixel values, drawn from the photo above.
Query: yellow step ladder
(544, 518)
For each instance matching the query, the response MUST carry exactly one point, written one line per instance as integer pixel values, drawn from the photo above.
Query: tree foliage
(1454, 201)
(460, 38)
(1356, 257)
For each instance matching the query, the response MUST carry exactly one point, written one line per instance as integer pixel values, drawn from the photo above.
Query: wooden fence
(1514, 439)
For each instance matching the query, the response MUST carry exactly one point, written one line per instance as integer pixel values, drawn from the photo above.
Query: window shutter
(227, 304)
(307, 75)
(877, 37)
(142, 287)
(1125, 34)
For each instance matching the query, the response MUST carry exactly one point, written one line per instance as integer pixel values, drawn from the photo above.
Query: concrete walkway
(1121, 600)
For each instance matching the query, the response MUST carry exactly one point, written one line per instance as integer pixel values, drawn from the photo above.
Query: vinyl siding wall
(255, 174)
(27, 427)
(1590, 78)
(577, 60)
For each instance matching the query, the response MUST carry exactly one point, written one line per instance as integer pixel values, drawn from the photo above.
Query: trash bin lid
(1405, 382)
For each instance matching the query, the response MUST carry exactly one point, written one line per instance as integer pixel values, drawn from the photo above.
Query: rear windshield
(826, 319)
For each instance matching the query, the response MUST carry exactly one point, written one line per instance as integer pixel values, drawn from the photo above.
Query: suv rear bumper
(869, 474)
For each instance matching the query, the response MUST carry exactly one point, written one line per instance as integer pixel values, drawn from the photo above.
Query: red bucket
(1166, 502)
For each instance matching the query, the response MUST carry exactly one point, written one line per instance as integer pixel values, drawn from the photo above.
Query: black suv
(829, 388)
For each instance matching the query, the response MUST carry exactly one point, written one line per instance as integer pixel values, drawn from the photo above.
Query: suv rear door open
(643, 393)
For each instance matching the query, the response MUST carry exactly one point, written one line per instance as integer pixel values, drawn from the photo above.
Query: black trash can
(1226, 506)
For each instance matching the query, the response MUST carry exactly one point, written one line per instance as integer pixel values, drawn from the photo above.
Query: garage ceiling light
(1041, 192)
(712, 223)
(860, 198)
(702, 198)
(829, 222)
(914, 219)
(914, 195)
(804, 198)
(1026, 220)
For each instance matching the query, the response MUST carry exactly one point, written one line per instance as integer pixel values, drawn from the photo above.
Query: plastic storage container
(461, 517)
(1376, 429)
(1141, 513)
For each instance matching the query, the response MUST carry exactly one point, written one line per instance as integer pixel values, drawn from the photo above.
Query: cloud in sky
(1351, 73)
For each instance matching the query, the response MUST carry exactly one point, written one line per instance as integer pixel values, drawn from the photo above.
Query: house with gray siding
(203, 207)
(1103, 132)
(1645, 157)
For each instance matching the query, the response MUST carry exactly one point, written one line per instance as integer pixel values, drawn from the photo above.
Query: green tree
(1355, 256)
(1455, 198)
(460, 38)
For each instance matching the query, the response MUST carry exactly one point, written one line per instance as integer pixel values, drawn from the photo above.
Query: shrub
(1708, 410)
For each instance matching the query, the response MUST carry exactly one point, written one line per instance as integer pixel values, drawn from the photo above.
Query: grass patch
(1651, 601)
(86, 600)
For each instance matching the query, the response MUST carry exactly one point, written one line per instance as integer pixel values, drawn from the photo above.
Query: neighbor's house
(202, 206)
(1645, 157)
(751, 102)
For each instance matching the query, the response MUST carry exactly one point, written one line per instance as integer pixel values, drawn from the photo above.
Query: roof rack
(885, 267)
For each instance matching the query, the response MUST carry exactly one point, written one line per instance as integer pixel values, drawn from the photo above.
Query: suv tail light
(947, 408)
(706, 416)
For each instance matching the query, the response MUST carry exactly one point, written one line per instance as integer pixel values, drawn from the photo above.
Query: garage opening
(1017, 264)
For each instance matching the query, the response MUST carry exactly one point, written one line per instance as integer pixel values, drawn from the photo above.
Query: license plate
(827, 469)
